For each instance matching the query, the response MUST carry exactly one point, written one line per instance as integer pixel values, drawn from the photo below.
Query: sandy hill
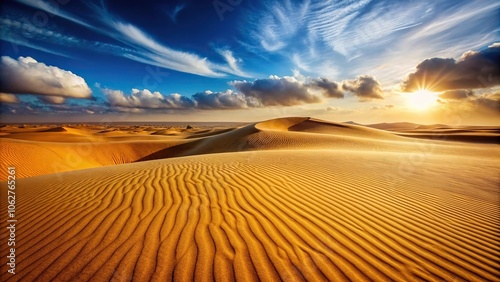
(50, 150)
(291, 215)
(395, 126)
(290, 199)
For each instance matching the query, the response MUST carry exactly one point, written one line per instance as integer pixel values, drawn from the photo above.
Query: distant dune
(290, 199)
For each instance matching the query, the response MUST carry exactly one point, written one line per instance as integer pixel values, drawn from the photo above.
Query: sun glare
(421, 99)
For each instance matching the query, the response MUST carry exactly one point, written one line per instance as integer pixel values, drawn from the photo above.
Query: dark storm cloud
(475, 69)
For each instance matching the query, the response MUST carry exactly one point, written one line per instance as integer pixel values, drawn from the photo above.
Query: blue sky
(236, 59)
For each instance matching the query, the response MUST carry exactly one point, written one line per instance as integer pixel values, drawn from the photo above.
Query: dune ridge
(95, 148)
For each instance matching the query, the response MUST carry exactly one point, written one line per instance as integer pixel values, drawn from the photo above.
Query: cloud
(276, 27)
(339, 110)
(278, 91)
(52, 99)
(146, 99)
(273, 91)
(456, 94)
(382, 38)
(175, 12)
(150, 51)
(330, 89)
(233, 63)
(142, 47)
(474, 69)
(488, 103)
(8, 98)
(365, 87)
(27, 76)
(228, 99)
(160, 55)
(54, 9)
(465, 101)
(349, 27)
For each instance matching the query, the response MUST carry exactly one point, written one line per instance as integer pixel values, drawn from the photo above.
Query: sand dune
(245, 216)
(39, 158)
(290, 199)
(51, 150)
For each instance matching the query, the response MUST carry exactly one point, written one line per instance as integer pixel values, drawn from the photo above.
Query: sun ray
(422, 99)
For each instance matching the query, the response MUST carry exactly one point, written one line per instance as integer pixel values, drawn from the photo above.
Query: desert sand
(289, 199)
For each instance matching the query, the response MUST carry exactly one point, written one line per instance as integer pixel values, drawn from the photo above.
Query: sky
(368, 61)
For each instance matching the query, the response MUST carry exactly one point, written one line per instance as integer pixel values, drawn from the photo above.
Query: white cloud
(161, 55)
(289, 90)
(55, 9)
(273, 91)
(144, 48)
(224, 100)
(27, 76)
(274, 29)
(382, 38)
(233, 63)
(147, 99)
(175, 12)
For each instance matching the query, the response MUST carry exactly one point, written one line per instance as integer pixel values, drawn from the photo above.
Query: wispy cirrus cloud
(157, 54)
(142, 47)
(378, 37)
(24, 33)
(274, 29)
(54, 8)
(173, 13)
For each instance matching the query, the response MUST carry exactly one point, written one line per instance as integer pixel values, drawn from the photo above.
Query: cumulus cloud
(456, 94)
(474, 69)
(147, 99)
(273, 91)
(27, 76)
(365, 87)
(8, 98)
(223, 100)
(281, 91)
(330, 89)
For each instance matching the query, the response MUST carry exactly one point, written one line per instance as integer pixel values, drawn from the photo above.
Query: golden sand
(292, 199)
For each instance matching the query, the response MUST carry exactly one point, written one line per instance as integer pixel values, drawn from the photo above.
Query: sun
(422, 99)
